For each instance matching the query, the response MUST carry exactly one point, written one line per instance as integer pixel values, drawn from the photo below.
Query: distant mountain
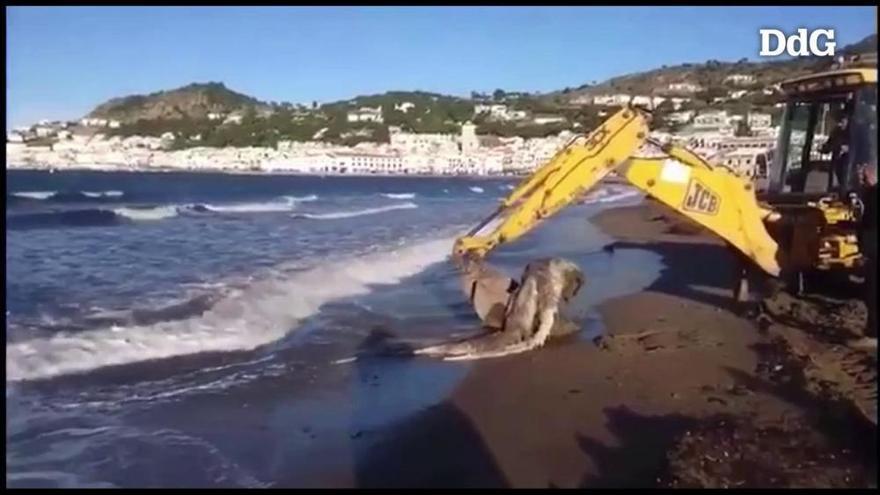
(194, 101)
(867, 45)
(710, 74)
(422, 111)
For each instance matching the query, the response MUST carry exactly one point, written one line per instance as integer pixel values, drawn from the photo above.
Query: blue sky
(62, 61)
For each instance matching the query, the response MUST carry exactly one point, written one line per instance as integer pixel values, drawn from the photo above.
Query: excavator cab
(828, 133)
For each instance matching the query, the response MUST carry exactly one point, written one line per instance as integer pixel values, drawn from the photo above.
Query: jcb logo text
(700, 199)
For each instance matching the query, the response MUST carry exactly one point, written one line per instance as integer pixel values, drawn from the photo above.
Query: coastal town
(435, 246)
(90, 143)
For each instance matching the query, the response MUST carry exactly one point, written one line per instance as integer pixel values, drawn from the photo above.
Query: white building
(685, 87)
(114, 124)
(711, 119)
(498, 111)
(343, 162)
(215, 116)
(619, 99)
(648, 101)
(469, 140)
(735, 95)
(542, 119)
(93, 122)
(740, 79)
(404, 107)
(759, 120)
(748, 162)
(234, 118)
(407, 141)
(680, 117)
(167, 139)
(678, 102)
(493, 109)
(41, 131)
(366, 114)
(14, 137)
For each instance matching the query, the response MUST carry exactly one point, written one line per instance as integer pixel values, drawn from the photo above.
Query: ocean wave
(68, 196)
(70, 218)
(288, 203)
(302, 199)
(399, 195)
(93, 217)
(259, 314)
(356, 213)
(267, 207)
(192, 305)
(103, 194)
(476, 189)
(155, 213)
(34, 194)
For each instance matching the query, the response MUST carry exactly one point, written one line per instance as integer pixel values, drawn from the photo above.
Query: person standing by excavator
(838, 143)
(868, 247)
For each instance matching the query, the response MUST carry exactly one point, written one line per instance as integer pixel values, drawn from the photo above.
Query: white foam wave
(399, 195)
(357, 213)
(35, 194)
(257, 315)
(301, 199)
(288, 204)
(103, 194)
(476, 189)
(266, 207)
(157, 213)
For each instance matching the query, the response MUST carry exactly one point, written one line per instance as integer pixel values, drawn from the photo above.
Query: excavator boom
(712, 196)
(572, 171)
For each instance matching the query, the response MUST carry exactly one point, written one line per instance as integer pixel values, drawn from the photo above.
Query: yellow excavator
(805, 221)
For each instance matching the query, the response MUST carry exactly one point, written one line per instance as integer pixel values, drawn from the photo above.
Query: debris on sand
(733, 452)
(822, 447)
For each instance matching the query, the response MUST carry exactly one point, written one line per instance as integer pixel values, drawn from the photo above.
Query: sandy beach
(682, 392)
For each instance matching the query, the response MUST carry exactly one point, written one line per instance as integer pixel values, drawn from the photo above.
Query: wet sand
(682, 392)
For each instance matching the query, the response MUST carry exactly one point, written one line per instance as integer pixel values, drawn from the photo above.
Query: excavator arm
(712, 196)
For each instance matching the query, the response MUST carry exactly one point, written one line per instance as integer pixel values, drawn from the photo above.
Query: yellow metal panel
(843, 78)
(716, 199)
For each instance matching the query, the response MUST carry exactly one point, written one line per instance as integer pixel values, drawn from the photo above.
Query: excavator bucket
(522, 316)
(488, 290)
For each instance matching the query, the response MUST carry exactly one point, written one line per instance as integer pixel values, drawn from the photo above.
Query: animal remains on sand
(519, 316)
